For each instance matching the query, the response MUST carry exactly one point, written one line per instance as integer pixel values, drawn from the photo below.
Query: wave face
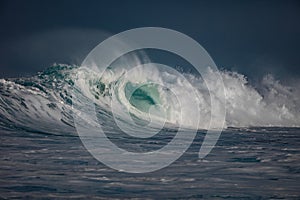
(44, 102)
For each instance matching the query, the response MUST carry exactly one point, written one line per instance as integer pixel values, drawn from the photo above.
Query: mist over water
(46, 99)
(45, 157)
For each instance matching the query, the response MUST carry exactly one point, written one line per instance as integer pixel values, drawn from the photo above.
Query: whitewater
(256, 156)
(46, 98)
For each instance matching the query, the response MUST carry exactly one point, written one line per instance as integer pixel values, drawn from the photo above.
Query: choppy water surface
(42, 156)
(256, 163)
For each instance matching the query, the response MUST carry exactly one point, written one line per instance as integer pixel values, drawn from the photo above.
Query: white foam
(268, 104)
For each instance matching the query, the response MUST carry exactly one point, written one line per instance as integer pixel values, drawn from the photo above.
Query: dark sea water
(43, 157)
(254, 163)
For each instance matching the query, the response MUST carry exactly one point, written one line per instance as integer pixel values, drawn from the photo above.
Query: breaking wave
(44, 102)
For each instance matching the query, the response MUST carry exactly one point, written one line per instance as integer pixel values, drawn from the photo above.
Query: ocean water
(256, 163)
(256, 157)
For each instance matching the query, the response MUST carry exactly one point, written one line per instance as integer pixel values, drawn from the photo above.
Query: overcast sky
(251, 37)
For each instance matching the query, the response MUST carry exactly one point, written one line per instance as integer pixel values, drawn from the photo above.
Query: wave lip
(149, 93)
(45, 99)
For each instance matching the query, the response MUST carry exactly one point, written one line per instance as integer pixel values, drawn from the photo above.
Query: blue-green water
(42, 156)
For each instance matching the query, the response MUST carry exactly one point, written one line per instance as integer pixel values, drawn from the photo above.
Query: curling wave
(44, 102)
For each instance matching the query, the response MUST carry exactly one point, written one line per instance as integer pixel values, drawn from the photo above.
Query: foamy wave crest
(43, 102)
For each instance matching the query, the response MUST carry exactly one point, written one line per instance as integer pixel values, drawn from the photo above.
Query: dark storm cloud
(38, 51)
(252, 37)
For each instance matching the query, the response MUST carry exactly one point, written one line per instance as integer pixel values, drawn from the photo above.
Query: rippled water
(257, 163)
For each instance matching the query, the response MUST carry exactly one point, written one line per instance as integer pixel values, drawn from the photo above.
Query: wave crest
(43, 102)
